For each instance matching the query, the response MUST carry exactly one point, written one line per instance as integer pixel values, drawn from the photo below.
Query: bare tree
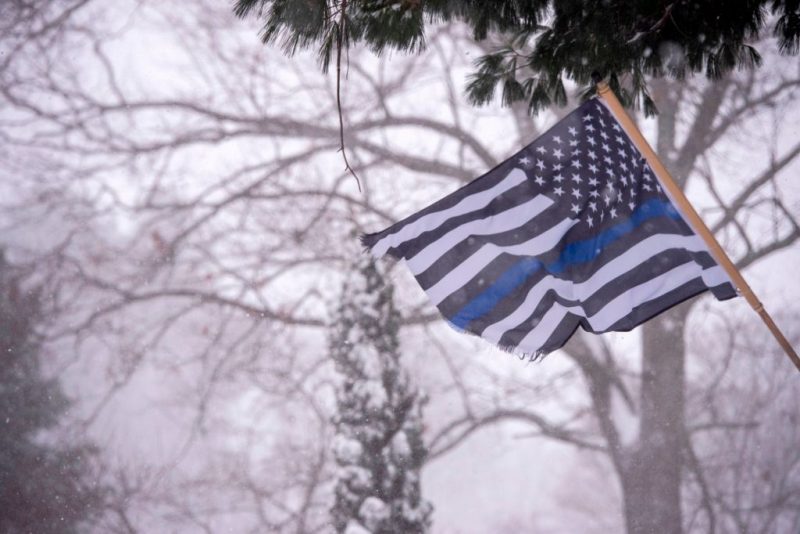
(182, 185)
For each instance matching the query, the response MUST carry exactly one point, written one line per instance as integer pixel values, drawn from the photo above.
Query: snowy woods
(171, 192)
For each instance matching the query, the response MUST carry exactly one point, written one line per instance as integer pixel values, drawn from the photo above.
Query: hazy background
(175, 187)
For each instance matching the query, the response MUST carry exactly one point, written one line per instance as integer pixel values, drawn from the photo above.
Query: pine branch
(622, 41)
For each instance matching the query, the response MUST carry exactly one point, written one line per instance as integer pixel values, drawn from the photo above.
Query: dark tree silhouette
(45, 487)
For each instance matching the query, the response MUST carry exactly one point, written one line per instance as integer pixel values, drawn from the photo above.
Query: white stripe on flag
(493, 224)
(618, 307)
(654, 288)
(435, 219)
(470, 267)
(716, 276)
(639, 253)
(543, 330)
(628, 260)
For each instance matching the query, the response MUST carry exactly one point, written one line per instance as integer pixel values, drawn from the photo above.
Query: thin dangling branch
(339, 44)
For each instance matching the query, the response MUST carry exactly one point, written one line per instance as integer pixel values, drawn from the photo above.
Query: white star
(606, 147)
(620, 140)
(593, 181)
(575, 193)
(541, 150)
(557, 139)
(573, 143)
(615, 126)
(593, 206)
(631, 205)
(539, 180)
(621, 153)
(593, 193)
(604, 136)
(608, 160)
(576, 178)
(593, 167)
(525, 161)
(624, 166)
(589, 128)
(647, 187)
(575, 208)
(587, 118)
(576, 163)
(589, 221)
(573, 131)
(557, 167)
(613, 213)
(558, 178)
(592, 154)
(591, 141)
(607, 200)
(540, 164)
(601, 121)
(557, 153)
(558, 191)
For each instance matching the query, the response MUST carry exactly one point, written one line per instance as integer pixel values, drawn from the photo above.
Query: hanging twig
(339, 43)
(658, 25)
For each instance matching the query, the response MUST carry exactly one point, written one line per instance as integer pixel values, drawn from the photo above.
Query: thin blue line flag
(574, 230)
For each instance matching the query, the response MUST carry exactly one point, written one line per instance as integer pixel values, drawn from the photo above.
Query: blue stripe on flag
(504, 286)
(573, 253)
(589, 249)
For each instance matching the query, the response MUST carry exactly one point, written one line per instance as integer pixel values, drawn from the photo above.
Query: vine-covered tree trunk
(378, 446)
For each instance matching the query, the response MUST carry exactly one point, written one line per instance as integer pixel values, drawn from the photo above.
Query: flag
(573, 230)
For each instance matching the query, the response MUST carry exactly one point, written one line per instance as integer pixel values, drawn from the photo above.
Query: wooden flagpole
(694, 219)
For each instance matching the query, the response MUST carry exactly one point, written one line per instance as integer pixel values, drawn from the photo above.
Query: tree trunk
(652, 477)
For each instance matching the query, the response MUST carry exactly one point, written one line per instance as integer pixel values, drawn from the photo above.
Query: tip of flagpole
(600, 84)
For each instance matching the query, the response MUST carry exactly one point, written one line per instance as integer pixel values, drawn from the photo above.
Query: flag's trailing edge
(573, 230)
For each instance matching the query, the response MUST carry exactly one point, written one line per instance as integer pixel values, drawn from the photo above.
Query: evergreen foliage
(378, 445)
(44, 487)
(548, 41)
